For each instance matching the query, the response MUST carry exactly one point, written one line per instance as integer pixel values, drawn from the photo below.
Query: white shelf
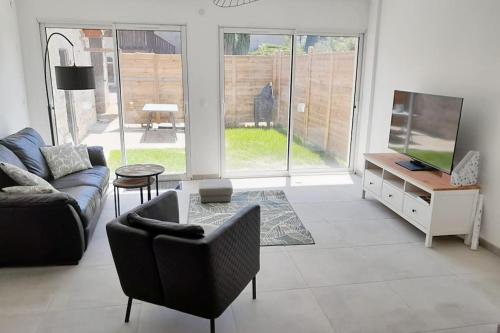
(448, 211)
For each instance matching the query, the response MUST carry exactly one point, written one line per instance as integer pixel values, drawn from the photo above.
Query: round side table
(141, 171)
(136, 176)
(129, 183)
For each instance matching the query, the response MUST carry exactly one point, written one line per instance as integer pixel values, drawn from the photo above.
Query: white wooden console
(426, 199)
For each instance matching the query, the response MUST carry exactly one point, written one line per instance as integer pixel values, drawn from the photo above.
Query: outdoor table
(152, 108)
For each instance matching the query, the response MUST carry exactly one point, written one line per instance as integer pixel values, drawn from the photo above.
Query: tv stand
(426, 199)
(414, 165)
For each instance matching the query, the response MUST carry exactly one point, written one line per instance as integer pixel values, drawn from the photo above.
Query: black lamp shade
(75, 77)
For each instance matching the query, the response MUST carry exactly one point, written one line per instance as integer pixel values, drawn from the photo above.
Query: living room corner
(249, 166)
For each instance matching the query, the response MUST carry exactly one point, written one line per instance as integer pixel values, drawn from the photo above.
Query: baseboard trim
(489, 246)
(208, 176)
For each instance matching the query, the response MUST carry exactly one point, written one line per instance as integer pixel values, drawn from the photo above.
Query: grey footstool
(216, 190)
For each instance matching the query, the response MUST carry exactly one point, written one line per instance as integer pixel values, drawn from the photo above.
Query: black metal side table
(136, 176)
(129, 183)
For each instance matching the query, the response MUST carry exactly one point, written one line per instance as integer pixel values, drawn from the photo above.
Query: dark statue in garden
(264, 105)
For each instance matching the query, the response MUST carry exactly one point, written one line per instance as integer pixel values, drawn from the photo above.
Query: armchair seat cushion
(97, 177)
(88, 199)
(157, 227)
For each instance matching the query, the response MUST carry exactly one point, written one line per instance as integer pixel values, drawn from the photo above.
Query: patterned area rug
(280, 225)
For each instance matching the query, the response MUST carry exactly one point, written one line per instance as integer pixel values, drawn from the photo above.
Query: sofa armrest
(40, 229)
(33, 200)
(205, 276)
(96, 155)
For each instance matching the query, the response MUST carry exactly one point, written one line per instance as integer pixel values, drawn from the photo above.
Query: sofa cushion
(83, 151)
(157, 227)
(23, 177)
(32, 189)
(89, 200)
(97, 177)
(63, 160)
(26, 145)
(7, 156)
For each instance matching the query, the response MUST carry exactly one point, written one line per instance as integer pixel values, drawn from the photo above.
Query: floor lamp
(67, 78)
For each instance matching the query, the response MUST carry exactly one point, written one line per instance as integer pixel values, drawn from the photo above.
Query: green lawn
(265, 149)
(174, 160)
(247, 149)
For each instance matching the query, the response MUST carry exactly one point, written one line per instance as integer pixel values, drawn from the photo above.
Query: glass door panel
(256, 102)
(89, 116)
(323, 97)
(154, 115)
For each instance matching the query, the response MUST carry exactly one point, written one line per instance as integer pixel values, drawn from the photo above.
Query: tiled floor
(368, 272)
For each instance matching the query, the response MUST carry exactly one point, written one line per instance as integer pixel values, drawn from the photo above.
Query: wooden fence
(150, 78)
(323, 84)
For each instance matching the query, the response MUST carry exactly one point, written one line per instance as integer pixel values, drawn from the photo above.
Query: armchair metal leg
(212, 325)
(129, 307)
(254, 288)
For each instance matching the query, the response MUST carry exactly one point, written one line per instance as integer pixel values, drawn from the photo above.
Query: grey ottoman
(216, 190)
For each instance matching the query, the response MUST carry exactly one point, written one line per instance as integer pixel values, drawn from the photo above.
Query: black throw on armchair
(199, 275)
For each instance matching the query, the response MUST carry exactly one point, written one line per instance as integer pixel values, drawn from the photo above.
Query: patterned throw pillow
(63, 160)
(35, 189)
(84, 154)
(23, 177)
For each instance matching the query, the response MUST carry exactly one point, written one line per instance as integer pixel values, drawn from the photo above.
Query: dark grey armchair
(201, 277)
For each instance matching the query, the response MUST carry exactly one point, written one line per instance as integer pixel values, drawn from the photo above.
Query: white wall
(367, 84)
(13, 110)
(447, 47)
(202, 19)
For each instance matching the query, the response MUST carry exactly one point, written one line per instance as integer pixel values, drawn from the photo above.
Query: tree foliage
(236, 44)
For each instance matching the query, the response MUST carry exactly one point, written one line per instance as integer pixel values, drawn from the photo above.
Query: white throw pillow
(84, 154)
(23, 177)
(63, 160)
(34, 189)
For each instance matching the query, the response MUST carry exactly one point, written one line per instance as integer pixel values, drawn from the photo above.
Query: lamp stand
(50, 108)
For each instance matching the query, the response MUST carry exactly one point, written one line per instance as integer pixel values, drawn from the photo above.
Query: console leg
(254, 288)
(212, 325)
(363, 194)
(129, 307)
(428, 240)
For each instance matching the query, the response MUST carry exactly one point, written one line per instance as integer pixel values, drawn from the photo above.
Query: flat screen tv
(425, 128)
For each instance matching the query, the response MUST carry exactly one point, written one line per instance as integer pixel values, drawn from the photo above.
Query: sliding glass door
(137, 111)
(256, 101)
(323, 102)
(152, 80)
(288, 102)
(87, 116)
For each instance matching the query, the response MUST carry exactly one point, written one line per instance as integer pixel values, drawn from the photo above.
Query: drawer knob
(371, 183)
(390, 195)
(414, 210)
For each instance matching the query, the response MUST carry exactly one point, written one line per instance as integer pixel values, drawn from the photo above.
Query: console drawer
(417, 211)
(373, 182)
(392, 195)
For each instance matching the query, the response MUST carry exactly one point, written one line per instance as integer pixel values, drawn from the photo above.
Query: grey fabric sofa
(48, 229)
(201, 277)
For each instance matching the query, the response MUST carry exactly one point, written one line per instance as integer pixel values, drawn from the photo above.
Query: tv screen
(425, 127)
